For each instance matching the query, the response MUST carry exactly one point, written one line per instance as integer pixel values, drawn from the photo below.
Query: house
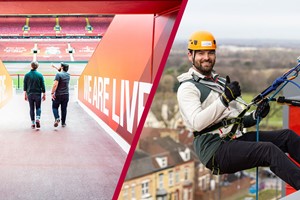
(161, 169)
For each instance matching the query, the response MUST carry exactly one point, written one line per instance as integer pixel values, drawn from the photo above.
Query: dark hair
(34, 64)
(65, 66)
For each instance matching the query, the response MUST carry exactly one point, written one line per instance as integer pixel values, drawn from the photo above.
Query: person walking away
(34, 92)
(60, 94)
(210, 107)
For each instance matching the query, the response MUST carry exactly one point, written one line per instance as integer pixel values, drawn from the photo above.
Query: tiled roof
(140, 165)
(153, 146)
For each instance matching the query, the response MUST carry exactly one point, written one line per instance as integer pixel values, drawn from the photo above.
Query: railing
(48, 78)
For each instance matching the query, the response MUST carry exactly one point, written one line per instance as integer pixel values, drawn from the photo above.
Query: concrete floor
(77, 162)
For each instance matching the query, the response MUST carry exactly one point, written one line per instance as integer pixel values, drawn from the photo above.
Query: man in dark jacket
(60, 94)
(34, 87)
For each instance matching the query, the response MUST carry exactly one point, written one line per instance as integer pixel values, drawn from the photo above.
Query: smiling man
(209, 108)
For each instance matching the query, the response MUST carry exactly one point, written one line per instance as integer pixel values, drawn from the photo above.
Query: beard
(205, 68)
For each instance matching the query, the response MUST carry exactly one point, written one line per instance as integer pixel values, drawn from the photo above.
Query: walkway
(79, 161)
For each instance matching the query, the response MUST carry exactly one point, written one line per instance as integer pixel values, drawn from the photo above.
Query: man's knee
(269, 148)
(290, 134)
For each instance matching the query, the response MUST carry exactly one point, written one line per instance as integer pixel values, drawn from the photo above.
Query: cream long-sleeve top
(197, 115)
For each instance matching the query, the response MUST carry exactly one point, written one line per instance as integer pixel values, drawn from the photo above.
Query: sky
(242, 19)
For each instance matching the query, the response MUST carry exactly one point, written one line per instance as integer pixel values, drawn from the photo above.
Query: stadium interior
(51, 38)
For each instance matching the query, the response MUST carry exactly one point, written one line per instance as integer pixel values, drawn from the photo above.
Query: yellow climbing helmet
(202, 40)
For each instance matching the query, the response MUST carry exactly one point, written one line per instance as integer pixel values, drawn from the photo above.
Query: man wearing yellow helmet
(203, 45)
(209, 105)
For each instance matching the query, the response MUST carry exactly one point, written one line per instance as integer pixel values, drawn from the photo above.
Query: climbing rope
(284, 79)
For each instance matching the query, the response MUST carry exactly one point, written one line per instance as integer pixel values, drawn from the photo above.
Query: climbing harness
(205, 87)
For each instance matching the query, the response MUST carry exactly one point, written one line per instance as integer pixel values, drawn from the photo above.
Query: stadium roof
(25, 7)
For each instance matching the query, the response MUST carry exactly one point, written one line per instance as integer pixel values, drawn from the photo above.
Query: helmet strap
(194, 55)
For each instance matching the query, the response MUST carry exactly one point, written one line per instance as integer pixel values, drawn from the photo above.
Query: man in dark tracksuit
(210, 108)
(34, 87)
(60, 94)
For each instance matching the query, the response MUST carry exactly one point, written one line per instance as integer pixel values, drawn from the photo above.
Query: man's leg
(31, 110)
(235, 155)
(38, 100)
(287, 140)
(55, 105)
(64, 105)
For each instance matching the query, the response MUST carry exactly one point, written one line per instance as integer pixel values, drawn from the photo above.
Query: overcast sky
(242, 19)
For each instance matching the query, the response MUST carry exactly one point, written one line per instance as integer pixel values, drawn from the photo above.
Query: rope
(278, 82)
(283, 79)
(257, 139)
(294, 83)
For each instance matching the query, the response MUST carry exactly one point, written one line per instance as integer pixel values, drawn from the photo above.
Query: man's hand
(262, 109)
(44, 96)
(25, 96)
(232, 91)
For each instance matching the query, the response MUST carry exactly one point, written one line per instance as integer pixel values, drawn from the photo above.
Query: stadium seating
(72, 26)
(51, 38)
(11, 26)
(42, 26)
(53, 26)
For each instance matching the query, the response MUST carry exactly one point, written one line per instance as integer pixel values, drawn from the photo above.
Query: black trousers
(60, 100)
(35, 104)
(245, 153)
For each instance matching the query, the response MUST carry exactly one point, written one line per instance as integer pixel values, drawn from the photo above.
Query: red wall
(116, 83)
(6, 89)
(294, 124)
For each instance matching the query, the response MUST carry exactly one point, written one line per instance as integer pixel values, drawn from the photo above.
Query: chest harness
(205, 86)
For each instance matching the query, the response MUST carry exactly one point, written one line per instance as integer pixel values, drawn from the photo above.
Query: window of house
(171, 179)
(162, 161)
(185, 194)
(125, 193)
(162, 198)
(186, 173)
(187, 154)
(177, 177)
(145, 188)
(202, 182)
(133, 191)
(161, 181)
(207, 179)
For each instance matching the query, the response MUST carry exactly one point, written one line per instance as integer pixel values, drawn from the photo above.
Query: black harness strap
(238, 121)
(234, 128)
(224, 123)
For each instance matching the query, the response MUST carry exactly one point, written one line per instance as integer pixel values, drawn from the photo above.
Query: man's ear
(190, 56)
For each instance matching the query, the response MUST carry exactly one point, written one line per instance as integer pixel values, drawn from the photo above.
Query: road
(79, 161)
